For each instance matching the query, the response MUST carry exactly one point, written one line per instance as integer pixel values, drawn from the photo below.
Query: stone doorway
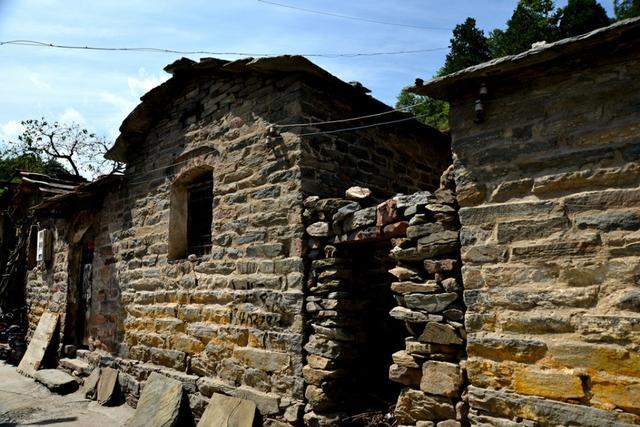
(81, 257)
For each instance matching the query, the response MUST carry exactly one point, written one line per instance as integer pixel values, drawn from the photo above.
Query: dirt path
(25, 402)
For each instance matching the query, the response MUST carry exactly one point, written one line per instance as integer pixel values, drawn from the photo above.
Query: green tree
(73, 146)
(468, 47)
(579, 17)
(10, 165)
(428, 111)
(531, 22)
(626, 8)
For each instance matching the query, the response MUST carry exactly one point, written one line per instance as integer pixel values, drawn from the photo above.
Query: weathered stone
(402, 358)
(159, 403)
(511, 406)
(405, 274)
(76, 366)
(552, 384)
(506, 348)
(414, 406)
(387, 213)
(404, 314)
(439, 333)
(57, 381)
(417, 231)
(269, 361)
(358, 193)
(431, 303)
(345, 211)
(442, 243)
(397, 229)
(420, 198)
(33, 357)
(225, 411)
(318, 229)
(360, 219)
(512, 189)
(405, 375)
(441, 378)
(90, 384)
(491, 213)
(107, 386)
(412, 287)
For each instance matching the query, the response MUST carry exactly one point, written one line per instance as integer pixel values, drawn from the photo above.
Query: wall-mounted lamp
(479, 107)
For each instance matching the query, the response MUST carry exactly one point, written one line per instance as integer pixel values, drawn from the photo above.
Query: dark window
(199, 215)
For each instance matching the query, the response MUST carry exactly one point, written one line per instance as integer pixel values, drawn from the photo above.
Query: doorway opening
(80, 290)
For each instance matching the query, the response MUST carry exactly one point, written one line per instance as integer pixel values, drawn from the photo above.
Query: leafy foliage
(531, 22)
(76, 148)
(625, 9)
(468, 47)
(428, 111)
(580, 16)
(10, 165)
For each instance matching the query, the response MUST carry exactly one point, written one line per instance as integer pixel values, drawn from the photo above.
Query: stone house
(546, 149)
(193, 263)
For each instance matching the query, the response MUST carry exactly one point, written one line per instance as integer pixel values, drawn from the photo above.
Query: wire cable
(35, 43)
(353, 18)
(396, 110)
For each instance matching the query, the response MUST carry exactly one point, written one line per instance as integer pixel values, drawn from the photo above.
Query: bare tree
(70, 144)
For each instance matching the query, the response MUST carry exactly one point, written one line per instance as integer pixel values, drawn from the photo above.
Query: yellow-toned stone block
(611, 359)
(553, 384)
(616, 392)
(490, 374)
(186, 343)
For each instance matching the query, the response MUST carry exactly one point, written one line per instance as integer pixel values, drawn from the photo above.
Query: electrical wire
(35, 43)
(396, 110)
(353, 18)
(405, 119)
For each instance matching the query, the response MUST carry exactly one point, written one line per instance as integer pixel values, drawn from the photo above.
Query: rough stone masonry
(546, 158)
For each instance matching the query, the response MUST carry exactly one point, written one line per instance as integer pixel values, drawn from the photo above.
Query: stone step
(56, 380)
(78, 367)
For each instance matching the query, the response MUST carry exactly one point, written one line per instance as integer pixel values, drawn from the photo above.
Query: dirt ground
(25, 402)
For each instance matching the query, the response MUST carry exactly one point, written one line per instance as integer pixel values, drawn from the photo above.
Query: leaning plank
(34, 356)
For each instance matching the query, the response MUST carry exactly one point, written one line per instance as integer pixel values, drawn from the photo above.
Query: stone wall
(415, 336)
(548, 185)
(231, 321)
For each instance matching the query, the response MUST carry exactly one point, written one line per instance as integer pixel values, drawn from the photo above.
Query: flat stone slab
(107, 386)
(225, 411)
(159, 404)
(33, 357)
(77, 366)
(91, 384)
(57, 381)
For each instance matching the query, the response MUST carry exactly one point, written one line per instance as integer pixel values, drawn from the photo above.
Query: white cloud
(72, 115)
(10, 130)
(38, 82)
(144, 82)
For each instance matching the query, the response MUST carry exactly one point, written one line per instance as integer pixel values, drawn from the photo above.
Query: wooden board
(33, 357)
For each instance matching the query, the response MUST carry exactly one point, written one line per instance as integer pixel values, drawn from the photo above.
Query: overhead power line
(352, 119)
(35, 43)
(353, 18)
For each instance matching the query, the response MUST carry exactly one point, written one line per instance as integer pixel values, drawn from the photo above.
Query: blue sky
(98, 89)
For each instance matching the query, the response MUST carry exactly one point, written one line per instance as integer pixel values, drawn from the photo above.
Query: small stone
(441, 378)
(439, 333)
(403, 358)
(386, 213)
(406, 315)
(405, 375)
(358, 193)
(405, 274)
(451, 285)
(397, 229)
(411, 287)
(414, 406)
(431, 303)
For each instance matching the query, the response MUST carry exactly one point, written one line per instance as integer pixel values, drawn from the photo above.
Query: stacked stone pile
(423, 231)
